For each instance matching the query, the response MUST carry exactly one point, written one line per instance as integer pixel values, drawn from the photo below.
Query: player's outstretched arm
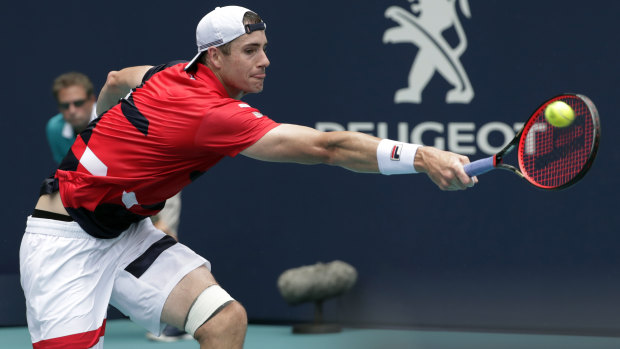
(354, 151)
(304, 145)
(118, 84)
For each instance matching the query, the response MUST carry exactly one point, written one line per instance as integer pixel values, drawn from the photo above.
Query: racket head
(554, 158)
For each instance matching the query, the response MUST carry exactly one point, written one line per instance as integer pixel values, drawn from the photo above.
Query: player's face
(243, 71)
(76, 106)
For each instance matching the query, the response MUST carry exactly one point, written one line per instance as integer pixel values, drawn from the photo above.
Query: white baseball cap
(221, 26)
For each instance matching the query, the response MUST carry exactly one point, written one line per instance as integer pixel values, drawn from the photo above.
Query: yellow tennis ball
(559, 114)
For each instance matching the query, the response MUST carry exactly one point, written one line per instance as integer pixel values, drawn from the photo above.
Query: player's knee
(232, 316)
(229, 325)
(216, 314)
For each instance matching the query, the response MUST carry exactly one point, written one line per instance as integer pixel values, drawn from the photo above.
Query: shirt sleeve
(231, 127)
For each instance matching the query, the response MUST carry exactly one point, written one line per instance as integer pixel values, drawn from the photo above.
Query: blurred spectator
(76, 102)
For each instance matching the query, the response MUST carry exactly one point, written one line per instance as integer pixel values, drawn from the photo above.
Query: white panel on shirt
(91, 162)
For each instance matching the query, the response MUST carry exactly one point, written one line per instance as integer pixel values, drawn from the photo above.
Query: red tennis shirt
(166, 133)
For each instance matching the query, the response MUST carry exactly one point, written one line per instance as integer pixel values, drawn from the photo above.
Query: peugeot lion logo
(423, 27)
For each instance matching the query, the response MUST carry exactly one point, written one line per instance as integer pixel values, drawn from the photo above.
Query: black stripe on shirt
(134, 116)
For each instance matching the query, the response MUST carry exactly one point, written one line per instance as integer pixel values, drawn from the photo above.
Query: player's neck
(233, 92)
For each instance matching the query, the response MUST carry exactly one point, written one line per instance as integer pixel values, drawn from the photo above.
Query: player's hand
(444, 168)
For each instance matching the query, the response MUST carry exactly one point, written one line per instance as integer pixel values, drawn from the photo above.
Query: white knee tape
(212, 299)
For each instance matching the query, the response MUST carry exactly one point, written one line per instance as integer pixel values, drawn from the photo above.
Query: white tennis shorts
(69, 277)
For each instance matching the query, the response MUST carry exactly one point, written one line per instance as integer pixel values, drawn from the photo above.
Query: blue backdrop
(502, 255)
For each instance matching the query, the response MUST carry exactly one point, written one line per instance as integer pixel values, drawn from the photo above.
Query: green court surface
(123, 334)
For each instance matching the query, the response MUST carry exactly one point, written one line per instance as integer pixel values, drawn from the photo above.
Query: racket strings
(551, 156)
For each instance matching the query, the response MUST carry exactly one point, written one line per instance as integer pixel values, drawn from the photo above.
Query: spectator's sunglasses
(77, 104)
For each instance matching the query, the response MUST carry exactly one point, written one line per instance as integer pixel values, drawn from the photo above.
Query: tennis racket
(550, 157)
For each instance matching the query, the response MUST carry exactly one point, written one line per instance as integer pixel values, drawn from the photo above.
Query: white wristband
(396, 157)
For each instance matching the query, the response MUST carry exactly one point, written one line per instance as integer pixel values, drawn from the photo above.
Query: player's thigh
(150, 272)
(184, 294)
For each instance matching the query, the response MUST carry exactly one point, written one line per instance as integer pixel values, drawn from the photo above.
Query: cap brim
(194, 60)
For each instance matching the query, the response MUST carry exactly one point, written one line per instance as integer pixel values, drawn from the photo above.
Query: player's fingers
(470, 181)
(465, 181)
(454, 183)
(460, 185)
(445, 183)
(474, 180)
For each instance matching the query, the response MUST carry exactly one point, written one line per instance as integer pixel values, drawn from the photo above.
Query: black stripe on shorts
(142, 263)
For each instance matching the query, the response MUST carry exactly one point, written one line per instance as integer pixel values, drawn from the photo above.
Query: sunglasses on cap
(77, 104)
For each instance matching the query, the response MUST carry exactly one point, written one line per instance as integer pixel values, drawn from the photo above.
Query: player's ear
(213, 57)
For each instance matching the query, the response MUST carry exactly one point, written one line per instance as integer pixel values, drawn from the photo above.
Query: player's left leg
(205, 310)
(165, 282)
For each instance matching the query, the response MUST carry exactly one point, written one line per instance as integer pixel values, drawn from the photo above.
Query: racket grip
(479, 167)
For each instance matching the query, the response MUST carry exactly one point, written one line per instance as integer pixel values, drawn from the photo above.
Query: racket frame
(516, 142)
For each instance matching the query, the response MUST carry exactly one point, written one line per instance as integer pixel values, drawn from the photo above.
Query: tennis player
(88, 241)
